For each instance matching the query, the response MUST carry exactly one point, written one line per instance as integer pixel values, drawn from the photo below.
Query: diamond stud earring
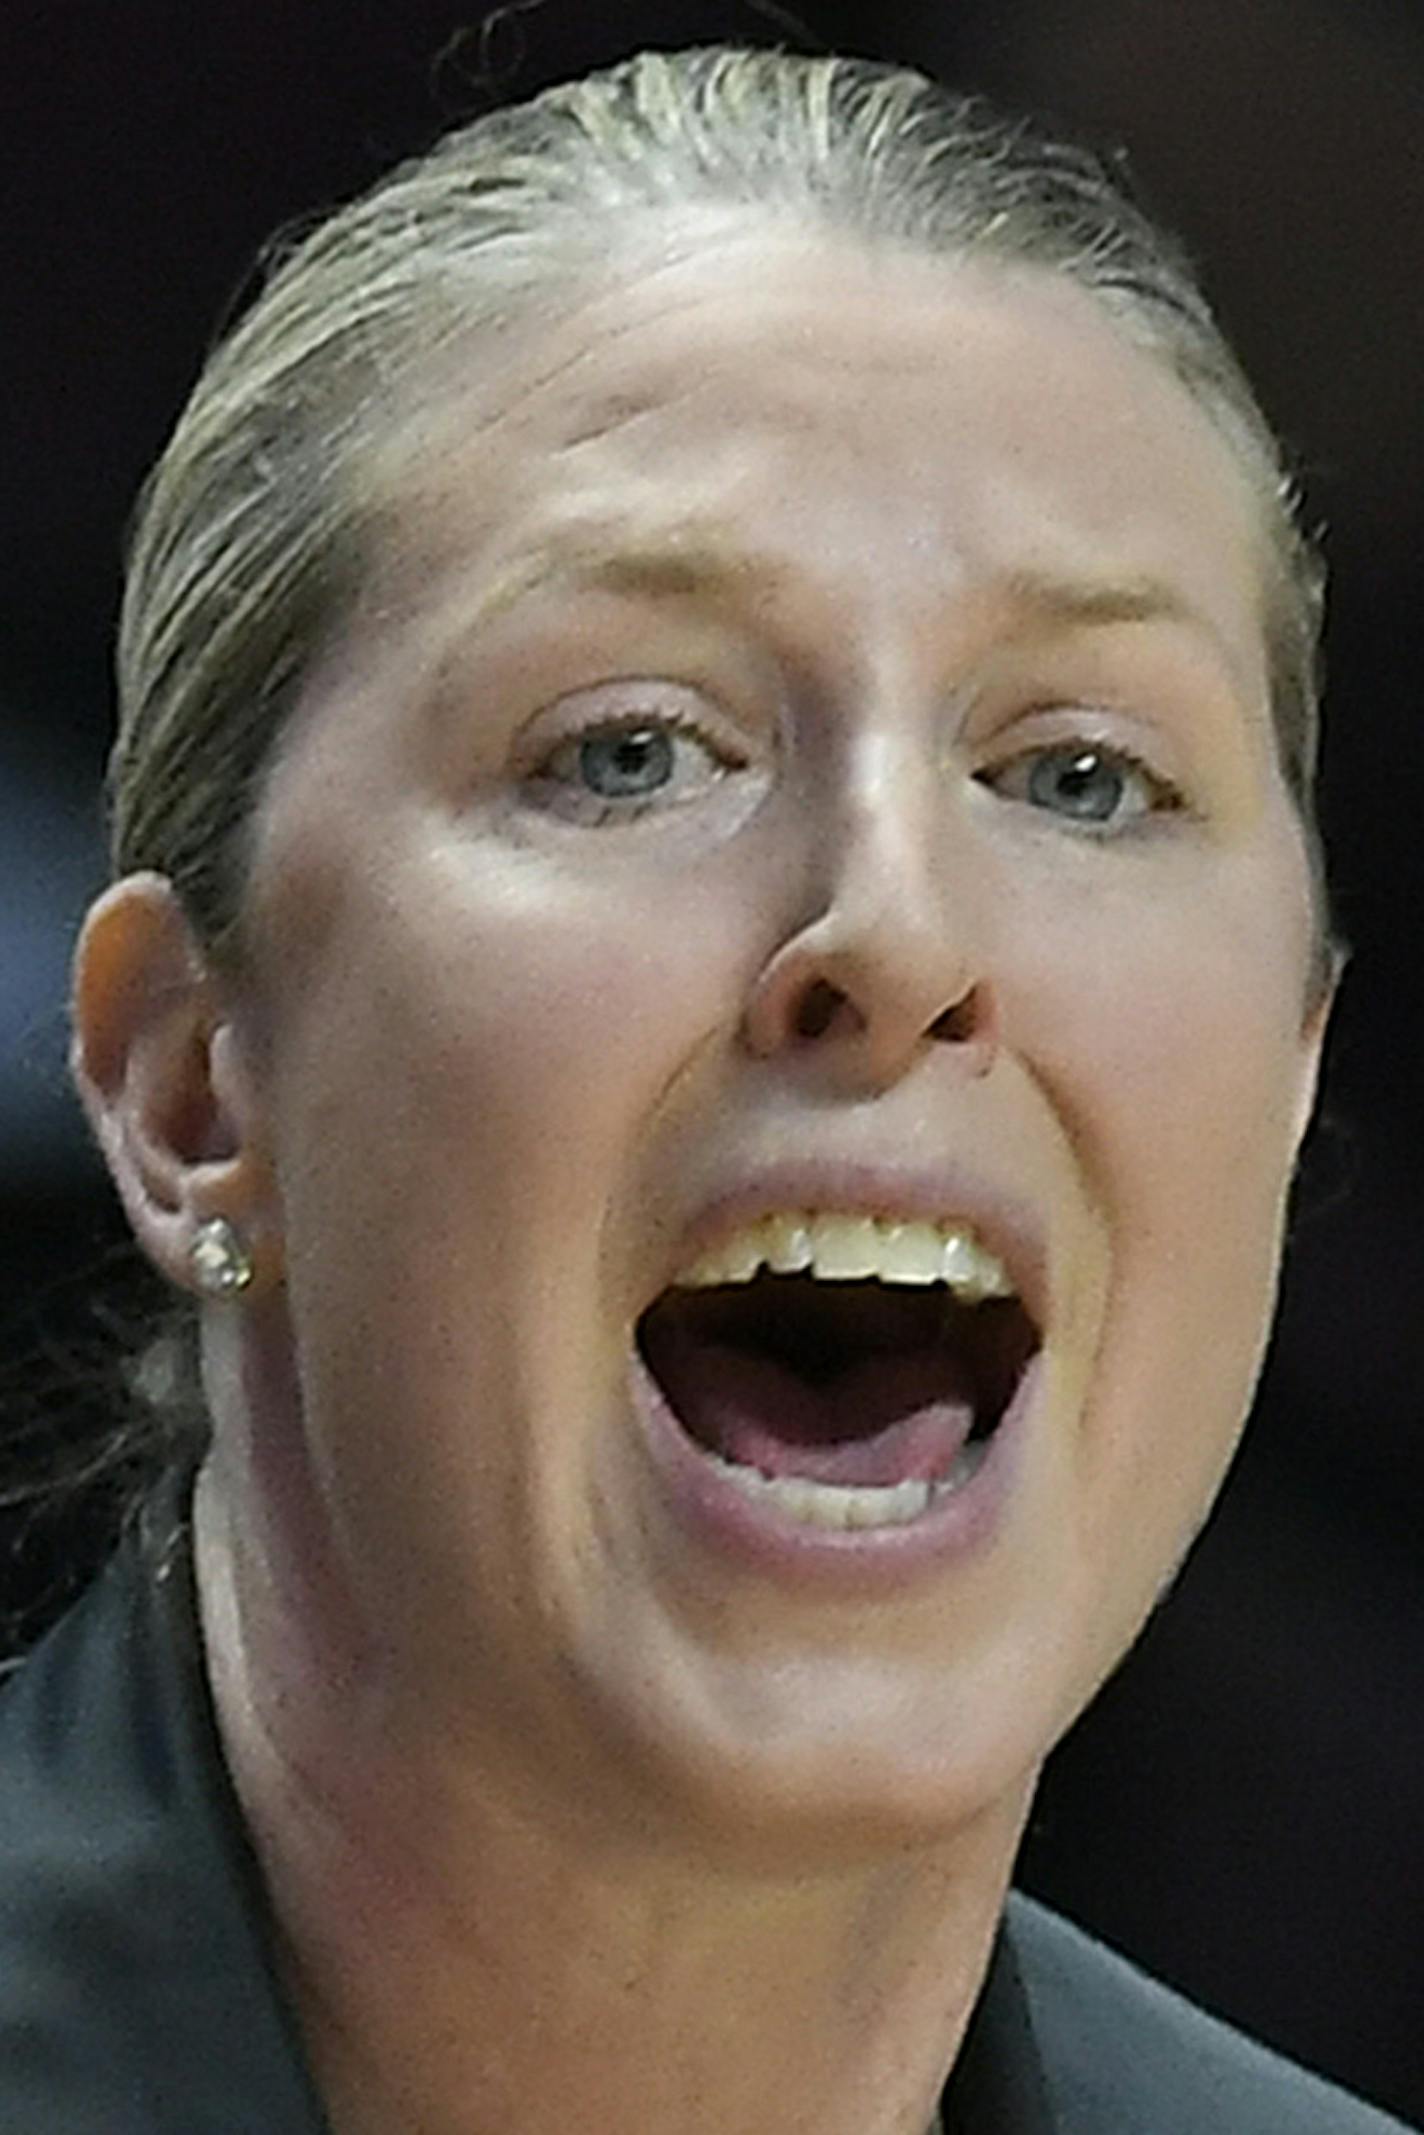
(221, 1263)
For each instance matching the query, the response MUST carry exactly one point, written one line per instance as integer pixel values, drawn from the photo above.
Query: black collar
(138, 1989)
(998, 2085)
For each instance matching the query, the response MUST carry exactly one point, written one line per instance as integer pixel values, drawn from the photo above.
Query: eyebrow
(681, 559)
(1087, 603)
(700, 557)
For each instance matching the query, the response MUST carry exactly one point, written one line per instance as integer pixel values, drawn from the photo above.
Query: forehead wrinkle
(634, 536)
(650, 557)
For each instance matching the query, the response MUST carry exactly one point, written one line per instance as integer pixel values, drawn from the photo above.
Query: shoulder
(1122, 2053)
(138, 1992)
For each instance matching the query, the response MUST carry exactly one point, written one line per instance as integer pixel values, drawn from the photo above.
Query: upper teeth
(850, 1248)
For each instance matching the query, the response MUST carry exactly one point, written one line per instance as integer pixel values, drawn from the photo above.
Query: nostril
(818, 1008)
(960, 1022)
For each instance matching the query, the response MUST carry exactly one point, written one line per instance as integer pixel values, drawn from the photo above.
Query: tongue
(885, 1420)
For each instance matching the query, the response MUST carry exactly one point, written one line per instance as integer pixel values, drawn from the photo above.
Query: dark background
(1241, 1810)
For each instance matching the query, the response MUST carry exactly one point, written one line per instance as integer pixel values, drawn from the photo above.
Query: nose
(884, 971)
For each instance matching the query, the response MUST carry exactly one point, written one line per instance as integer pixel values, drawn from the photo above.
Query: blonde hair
(256, 525)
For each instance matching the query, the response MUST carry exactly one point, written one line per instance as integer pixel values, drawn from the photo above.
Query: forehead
(784, 406)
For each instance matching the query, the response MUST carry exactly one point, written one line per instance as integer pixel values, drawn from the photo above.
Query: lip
(951, 1192)
(758, 1536)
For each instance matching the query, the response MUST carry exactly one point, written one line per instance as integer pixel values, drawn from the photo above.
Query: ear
(157, 1063)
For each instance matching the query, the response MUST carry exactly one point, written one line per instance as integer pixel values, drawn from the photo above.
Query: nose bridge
(884, 962)
(885, 858)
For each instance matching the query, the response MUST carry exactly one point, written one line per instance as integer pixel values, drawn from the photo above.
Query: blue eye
(626, 763)
(618, 769)
(1085, 783)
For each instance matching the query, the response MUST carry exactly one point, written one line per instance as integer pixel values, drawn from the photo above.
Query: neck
(461, 1962)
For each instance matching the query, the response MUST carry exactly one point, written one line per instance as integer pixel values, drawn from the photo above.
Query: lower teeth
(845, 1505)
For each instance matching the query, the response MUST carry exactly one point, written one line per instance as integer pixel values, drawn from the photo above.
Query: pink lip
(1002, 1220)
(757, 1535)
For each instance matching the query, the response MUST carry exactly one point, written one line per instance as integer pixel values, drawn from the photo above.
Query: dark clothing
(138, 1991)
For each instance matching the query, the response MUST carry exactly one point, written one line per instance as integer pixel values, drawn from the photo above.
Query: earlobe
(155, 1066)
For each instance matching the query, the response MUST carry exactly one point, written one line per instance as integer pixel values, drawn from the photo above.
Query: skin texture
(886, 532)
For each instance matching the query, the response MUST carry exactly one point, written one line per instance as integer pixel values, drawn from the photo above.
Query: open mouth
(856, 1383)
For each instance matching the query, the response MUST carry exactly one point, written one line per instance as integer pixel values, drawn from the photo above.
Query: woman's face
(804, 753)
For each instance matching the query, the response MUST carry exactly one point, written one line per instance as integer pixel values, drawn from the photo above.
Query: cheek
(1167, 1029)
(492, 1035)
(588, 997)
(473, 1061)
(1168, 1044)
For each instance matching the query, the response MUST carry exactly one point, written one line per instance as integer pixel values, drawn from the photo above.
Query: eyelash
(1164, 797)
(592, 810)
